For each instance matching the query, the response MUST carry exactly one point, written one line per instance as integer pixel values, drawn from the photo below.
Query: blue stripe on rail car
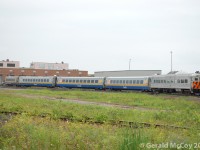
(140, 88)
(32, 84)
(87, 86)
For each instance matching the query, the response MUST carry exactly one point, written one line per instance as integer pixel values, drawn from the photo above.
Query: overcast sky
(100, 35)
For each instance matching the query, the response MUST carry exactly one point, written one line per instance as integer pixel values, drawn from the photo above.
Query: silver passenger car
(11, 80)
(171, 83)
(47, 81)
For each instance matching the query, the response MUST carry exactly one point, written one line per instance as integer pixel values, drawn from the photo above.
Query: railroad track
(120, 123)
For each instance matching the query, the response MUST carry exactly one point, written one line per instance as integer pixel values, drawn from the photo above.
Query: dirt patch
(4, 118)
(85, 102)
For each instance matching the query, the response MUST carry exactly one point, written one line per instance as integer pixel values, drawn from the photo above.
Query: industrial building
(9, 64)
(127, 73)
(12, 68)
(49, 66)
(39, 72)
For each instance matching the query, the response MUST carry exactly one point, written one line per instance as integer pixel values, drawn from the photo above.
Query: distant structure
(40, 72)
(127, 73)
(12, 68)
(9, 64)
(49, 66)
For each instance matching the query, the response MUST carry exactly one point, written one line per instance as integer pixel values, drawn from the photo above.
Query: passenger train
(158, 83)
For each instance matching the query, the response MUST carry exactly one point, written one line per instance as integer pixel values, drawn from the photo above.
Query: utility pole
(171, 60)
(129, 64)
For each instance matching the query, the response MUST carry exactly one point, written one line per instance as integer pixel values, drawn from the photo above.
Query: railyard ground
(82, 119)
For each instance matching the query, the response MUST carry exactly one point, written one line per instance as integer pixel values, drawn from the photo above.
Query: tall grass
(133, 140)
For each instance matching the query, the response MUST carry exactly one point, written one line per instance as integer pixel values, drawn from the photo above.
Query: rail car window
(63, 80)
(45, 80)
(29, 80)
(84, 81)
(138, 81)
(130, 81)
(73, 81)
(42, 80)
(126, 81)
(117, 81)
(123, 81)
(33, 80)
(70, 81)
(134, 81)
(182, 80)
(96, 81)
(81, 81)
(113, 81)
(92, 81)
(77, 81)
(196, 79)
(186, 80)
(141, 81)
(88, 81)
(120, 81)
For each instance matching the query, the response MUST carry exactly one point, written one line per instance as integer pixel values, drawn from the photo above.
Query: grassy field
(44, 119)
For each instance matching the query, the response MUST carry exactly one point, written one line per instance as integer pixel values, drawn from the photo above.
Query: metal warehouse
(127, 73)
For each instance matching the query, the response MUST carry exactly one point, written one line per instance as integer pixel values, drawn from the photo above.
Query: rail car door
(54, 82)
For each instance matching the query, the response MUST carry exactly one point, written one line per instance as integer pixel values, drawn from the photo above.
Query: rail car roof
(135, 77)
(80, 77)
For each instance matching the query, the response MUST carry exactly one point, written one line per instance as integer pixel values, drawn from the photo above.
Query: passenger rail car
(49, 81)
(81, 82)
(127, 83)
(175, 83)
(11, 80)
